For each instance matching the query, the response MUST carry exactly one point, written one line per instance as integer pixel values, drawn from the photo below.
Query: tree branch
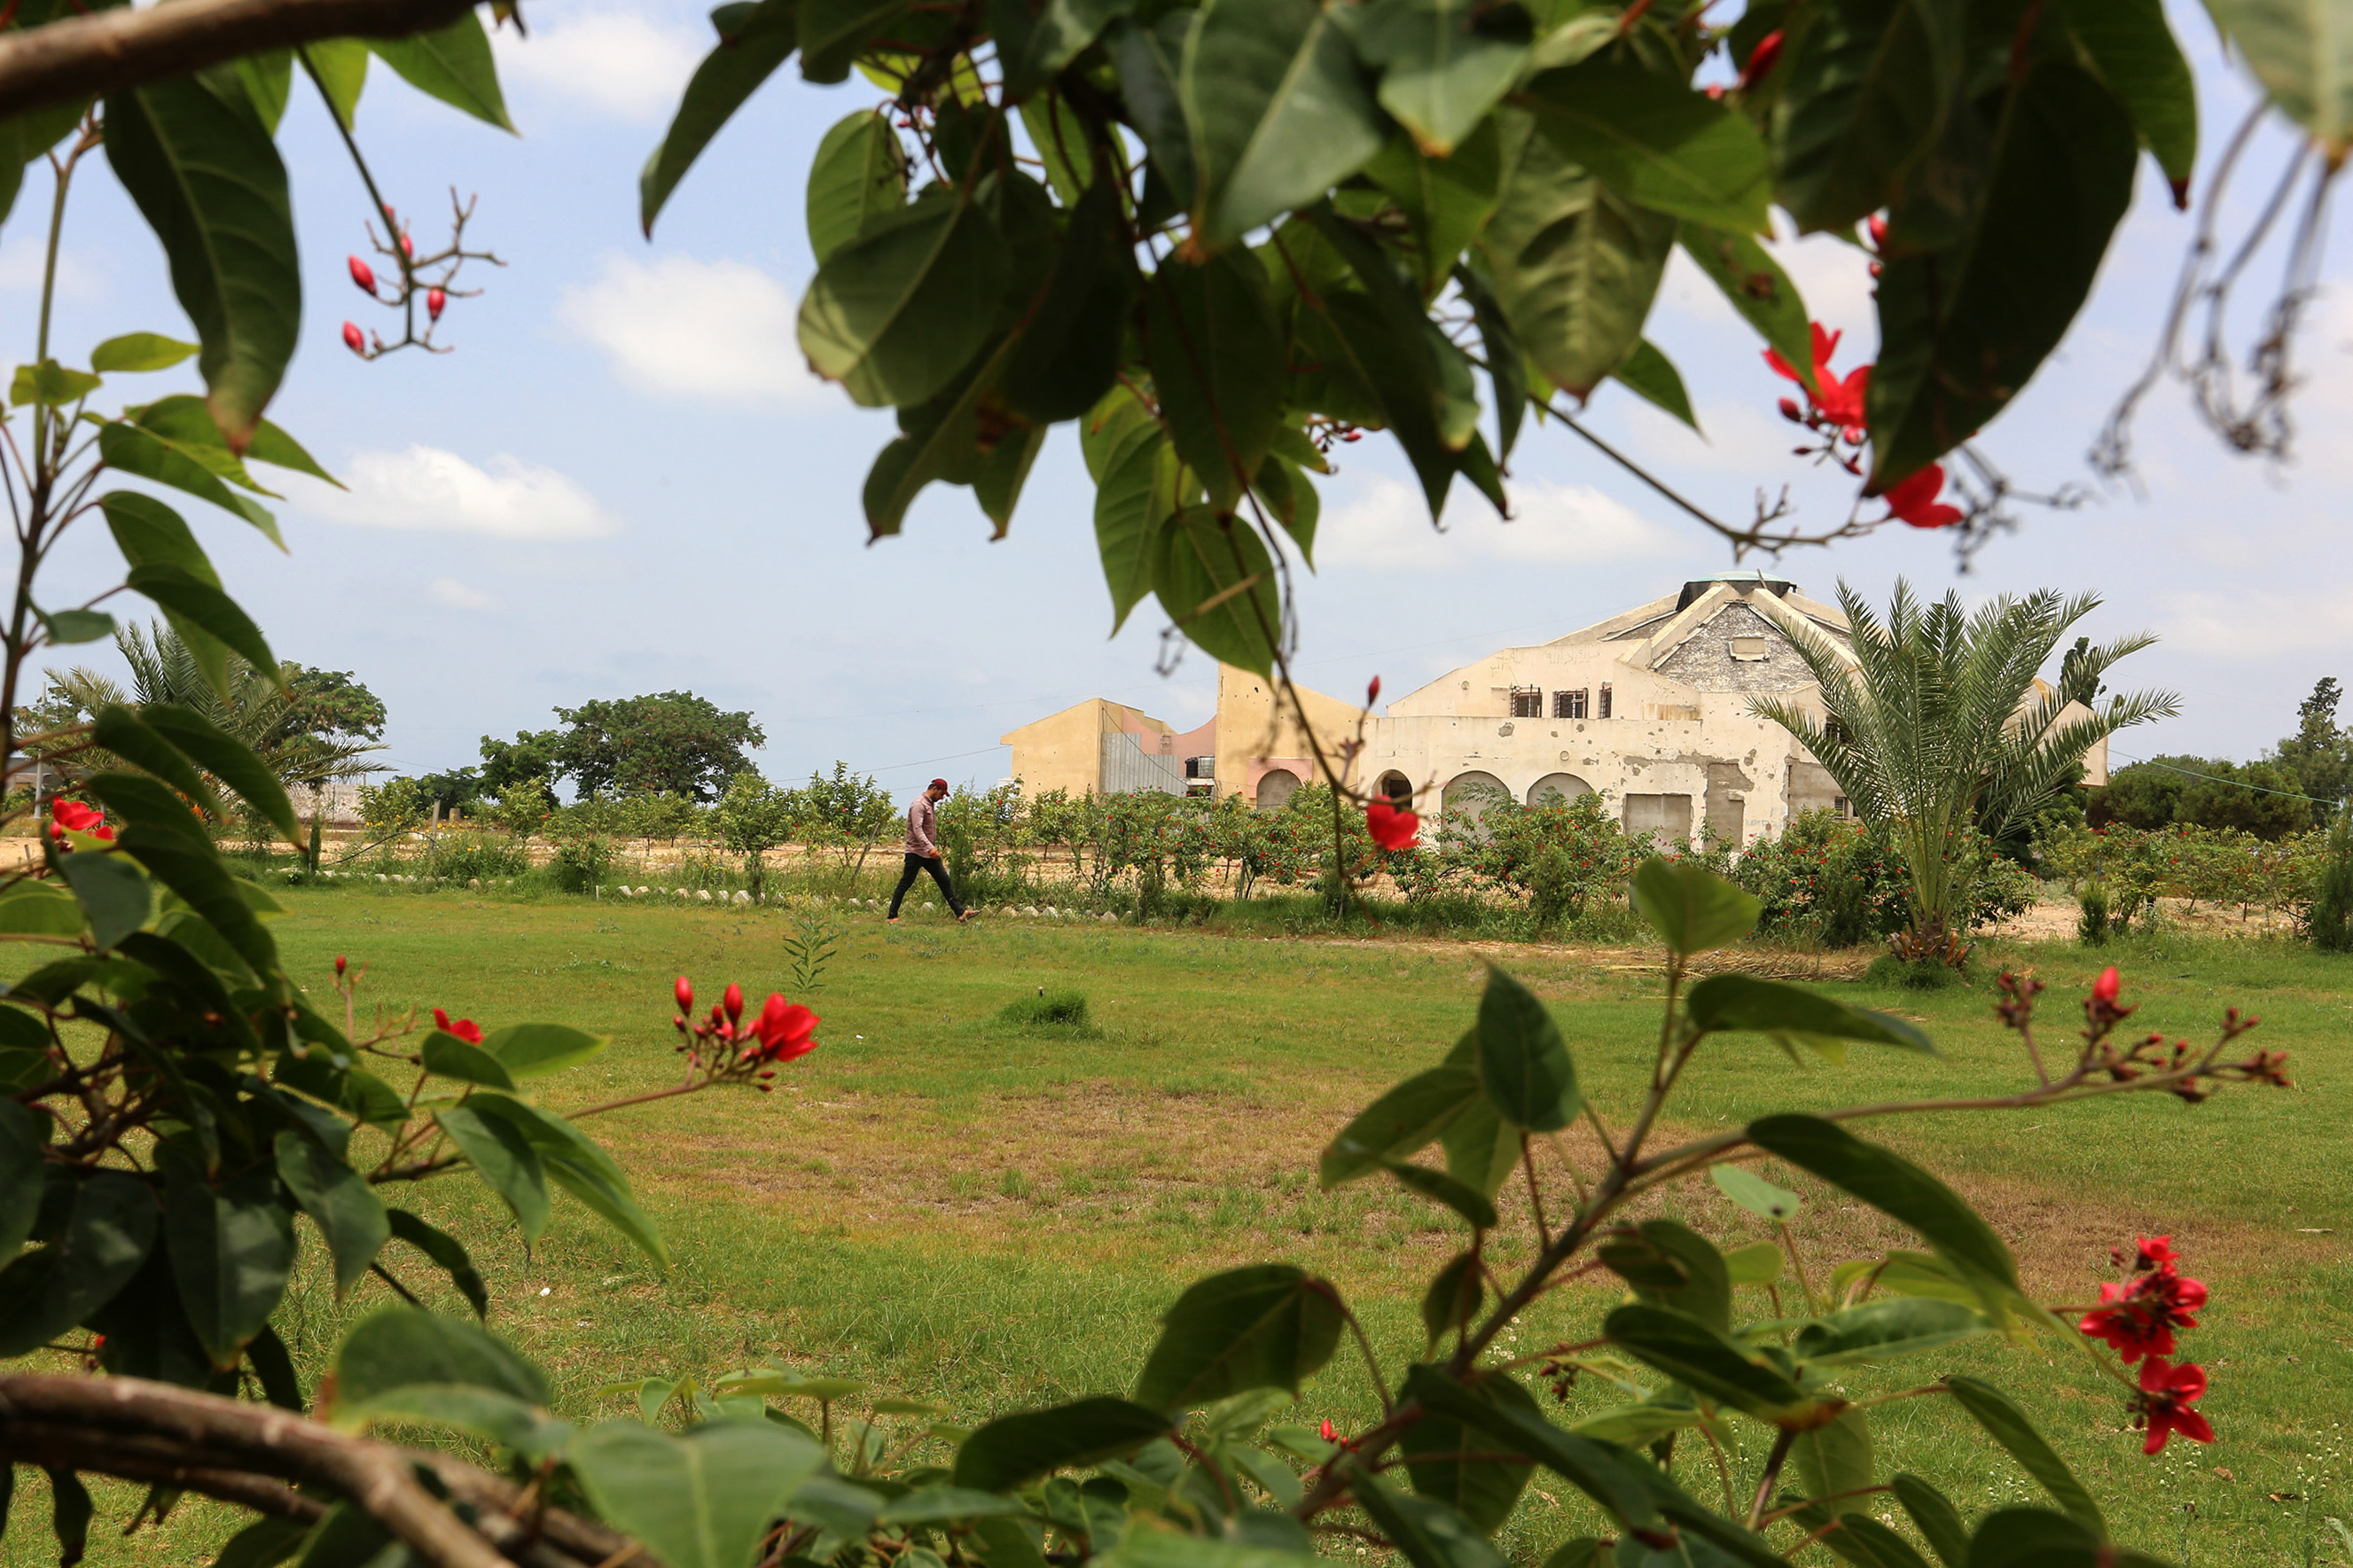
(86, 57)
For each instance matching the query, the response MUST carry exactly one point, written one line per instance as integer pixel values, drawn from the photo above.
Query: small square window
(1568, 704)
(1604, 713)
(1750, 650)
(1527, 702)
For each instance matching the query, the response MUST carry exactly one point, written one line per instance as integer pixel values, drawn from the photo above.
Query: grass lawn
(991, 1216)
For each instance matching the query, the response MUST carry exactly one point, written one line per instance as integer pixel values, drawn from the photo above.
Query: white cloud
(24, 259)
(429, 489)
(1384, 527)
(2253, 625)
(717, 330)
(448, 591)
(616, 62)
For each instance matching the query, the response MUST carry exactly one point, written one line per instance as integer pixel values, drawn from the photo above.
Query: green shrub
(1047, 1010)
(2329, 921)
(1913, 973)
(2092, 925)
(580, 864)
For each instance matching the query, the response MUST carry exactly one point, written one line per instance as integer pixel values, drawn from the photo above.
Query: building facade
(1648, 709)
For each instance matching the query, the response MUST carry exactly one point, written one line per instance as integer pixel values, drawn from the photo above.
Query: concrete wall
(1065, 750)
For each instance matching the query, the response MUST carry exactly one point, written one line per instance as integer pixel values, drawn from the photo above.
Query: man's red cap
(939, 783)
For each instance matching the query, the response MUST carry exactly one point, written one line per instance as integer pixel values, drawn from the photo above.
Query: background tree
(1935, 729)
(753, 817)
(849, 812)
(670, 741)
(2320, 752)
(2264, 798)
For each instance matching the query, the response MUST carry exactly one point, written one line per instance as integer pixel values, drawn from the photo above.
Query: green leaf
(1892, 1185)
(1472, 1204)
(184, 595)
(397, 1347)
(1659, 143)
(1134, 501)
(182, 423)
(2135, 53)
(1652, 378)
(1401, 1122)
(161, 835)
(1755, 1194)
(763, 38)
(1264, 1326)
(148, 532)
(1963, 329)
(1881, 1328)
(2036, 1538)
(580, 1168)
(447, 1251)
(943, 442)
(937, 1504)
(1216, 582)
(50, 384)
(138, 352)
(1032, 48)
(1574, 265)
(1150, 60)
(1869, 1543)
(106, 1237)
(69, 1514)
(1863, 93)
(356, 1092)
(1447, 199)
(1016, 1449)
(1753, 283)
(701, 1500)
(834, 31)
(1276, 109)
(1428, 1533)
(1506, 357)
(896, 312)
(67, 628)
(1694, 1281)
(1626, 1487)
(1711, 1364)
(272, 445)
(22, 1137)
(143, 453)
(452, 64)
(1524, 1064)
(206, 176)
(1453, 1297)
(1439, 76)
(504, 1159)
(1743, 1002)
(2301, 53)
(1934, 1516)
(534, 1050)
(232, 1247)
(1003, 472)
(1692, 909)
(339, 1200)
(227, 759)
(1836, 1456)
(341, 65)
(113, 894)
(1758, 1263)
(858, 173)
(1068, 355)
(1441, 1457)
(1217, 364)
(2006, 1425)
(264, 1543)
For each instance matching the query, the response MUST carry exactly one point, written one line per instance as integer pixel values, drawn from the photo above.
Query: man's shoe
(966, 916)
(892, 921)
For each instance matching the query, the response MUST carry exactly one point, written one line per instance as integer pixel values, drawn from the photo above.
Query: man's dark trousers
(939, 874)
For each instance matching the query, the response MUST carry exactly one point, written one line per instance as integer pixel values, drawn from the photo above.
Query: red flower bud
(363, 274)
(408, 247)
(2103, 989)
(352, 340)
(1855, 435)
(434, 301)
(734, 1002)
(684, 992)
(1329, 1433)
(1373, 691)
(1791, 412)
(339, 962)
(1761, 59)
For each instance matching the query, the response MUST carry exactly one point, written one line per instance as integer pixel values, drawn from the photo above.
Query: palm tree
(256, 710)
(1936, 725)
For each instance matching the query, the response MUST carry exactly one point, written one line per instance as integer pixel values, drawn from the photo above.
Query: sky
(624, 479)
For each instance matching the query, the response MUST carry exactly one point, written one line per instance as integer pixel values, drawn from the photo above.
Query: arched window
(1275, 789)
(1473, 792)
(1394, 785)
(1558, 789)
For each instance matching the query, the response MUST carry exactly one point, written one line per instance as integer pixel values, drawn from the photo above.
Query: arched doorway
(1393, 786)
(1558, 789)
(1276, 788)
(1473, 792)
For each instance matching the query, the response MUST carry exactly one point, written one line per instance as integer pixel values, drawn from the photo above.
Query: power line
(2240, 783)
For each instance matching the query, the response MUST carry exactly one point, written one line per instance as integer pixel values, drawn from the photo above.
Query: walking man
(923, 850)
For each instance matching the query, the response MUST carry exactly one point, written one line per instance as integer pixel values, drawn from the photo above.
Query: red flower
(1839, 402)
(465, 1029)
(435, 300)
(2104, 992)
(363, 274)
(732, 1002)
(1876, 228)
(786, 1030)
(1760, 59)
(73, 817)
(2167, 1393)
(2138, 1319)
(2151, 1252)
(1392, 826)
(684, 992)
(1914, 500)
